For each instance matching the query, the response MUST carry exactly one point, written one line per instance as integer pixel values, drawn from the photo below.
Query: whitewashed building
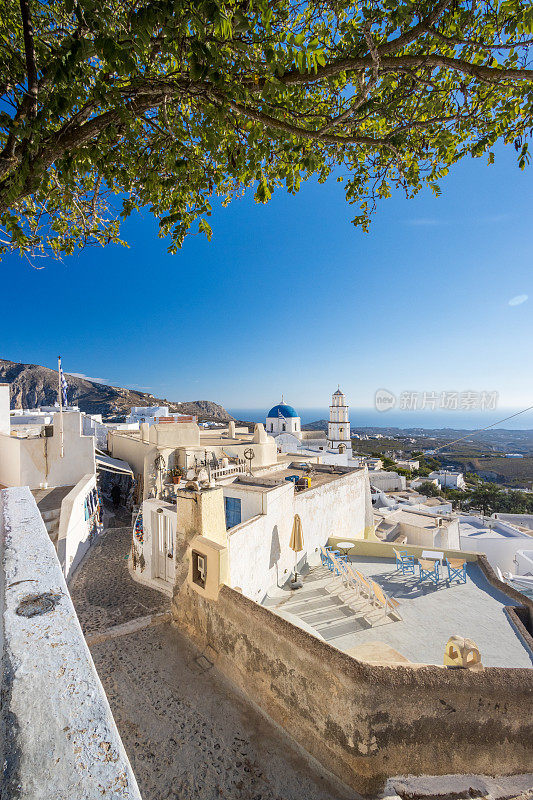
(251, 520)
(448, 479)
(154, 415)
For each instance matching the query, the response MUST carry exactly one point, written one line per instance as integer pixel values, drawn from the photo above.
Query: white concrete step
(314, 604)
(351, 625)
(327, 616)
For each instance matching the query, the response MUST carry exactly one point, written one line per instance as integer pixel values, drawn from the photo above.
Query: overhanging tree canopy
(165, 103)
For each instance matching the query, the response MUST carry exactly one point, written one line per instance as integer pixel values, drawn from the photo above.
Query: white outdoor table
(344, 546)
(432, 555)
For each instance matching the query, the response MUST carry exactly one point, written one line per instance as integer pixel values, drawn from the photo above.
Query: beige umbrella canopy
(296, 543)
(297, 538)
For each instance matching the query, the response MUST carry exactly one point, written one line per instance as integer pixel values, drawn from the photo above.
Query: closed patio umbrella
(297, 544)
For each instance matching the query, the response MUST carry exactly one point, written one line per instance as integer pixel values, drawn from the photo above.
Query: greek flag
(63, 384)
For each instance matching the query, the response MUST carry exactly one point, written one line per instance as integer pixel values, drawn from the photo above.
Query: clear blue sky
(290, 297)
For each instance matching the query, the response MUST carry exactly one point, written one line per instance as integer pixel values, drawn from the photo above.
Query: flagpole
(60, 392)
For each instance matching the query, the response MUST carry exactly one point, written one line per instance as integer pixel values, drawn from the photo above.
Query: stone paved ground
(190, 736)
(102, 589)
(187, 731)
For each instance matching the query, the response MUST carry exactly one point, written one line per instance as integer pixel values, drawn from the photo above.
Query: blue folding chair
(325, 556)
(456, 570)
(428, 574)
(341, 559)
(404, 562)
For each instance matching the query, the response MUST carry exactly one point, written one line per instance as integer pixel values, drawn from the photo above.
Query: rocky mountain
(319, 425)
(33, 386)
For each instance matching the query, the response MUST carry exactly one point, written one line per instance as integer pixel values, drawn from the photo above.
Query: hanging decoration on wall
(93, 511)
(138, 531)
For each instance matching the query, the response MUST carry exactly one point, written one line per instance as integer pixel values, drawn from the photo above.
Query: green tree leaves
(166, 104)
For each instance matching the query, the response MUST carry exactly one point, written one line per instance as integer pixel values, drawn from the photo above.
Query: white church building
(284, 424)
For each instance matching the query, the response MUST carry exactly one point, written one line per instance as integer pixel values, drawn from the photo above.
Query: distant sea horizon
(370, 418)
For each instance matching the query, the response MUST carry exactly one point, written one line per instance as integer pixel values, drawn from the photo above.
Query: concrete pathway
(102, 589)
(190, 736)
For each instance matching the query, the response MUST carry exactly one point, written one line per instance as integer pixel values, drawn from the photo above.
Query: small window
(232, 507)
(199, 569)
(283, 427)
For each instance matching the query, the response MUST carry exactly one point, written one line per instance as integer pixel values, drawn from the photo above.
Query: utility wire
(469, 435)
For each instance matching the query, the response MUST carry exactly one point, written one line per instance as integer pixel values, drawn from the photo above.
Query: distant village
(279, 551)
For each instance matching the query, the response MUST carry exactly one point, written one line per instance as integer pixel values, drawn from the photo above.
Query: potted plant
(176, 474)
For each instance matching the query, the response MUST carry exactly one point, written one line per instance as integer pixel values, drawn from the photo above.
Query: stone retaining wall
(364, 722)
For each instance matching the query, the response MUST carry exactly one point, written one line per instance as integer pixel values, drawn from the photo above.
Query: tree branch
(31, 67)
(277, 124)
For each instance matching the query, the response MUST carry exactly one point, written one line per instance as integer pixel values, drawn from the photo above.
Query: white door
(163, 547)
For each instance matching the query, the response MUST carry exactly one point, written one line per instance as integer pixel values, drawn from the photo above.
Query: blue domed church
(282, 419)
(284, 424)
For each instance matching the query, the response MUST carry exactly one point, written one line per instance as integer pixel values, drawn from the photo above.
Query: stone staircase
(324, 611)
(51, 521)
(49, 505)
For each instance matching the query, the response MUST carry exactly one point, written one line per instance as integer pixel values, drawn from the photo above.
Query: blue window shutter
(232, 507)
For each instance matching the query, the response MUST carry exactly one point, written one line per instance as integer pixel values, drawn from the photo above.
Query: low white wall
(9, 460)
(500, 550)
(4, 408)
(387, 481)
(74, 535)
(524, 562)
(524, 520)
(60, 739)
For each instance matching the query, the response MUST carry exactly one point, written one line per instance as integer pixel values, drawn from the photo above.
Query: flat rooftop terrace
(430, 615)
(321, 475)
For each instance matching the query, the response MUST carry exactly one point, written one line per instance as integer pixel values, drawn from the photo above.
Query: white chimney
(5, 424)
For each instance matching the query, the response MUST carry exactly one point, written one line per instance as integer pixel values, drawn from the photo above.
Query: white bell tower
(339, 438)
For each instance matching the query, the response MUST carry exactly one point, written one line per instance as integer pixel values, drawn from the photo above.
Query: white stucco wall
(253, 500)
(73, 538)
(259, 552)
(278, 425)
(9, 460)
(387, 481)
(4, 408)
(500, 544)
(524, 562)
(65, 741)
(130, 449)
(36, 461)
